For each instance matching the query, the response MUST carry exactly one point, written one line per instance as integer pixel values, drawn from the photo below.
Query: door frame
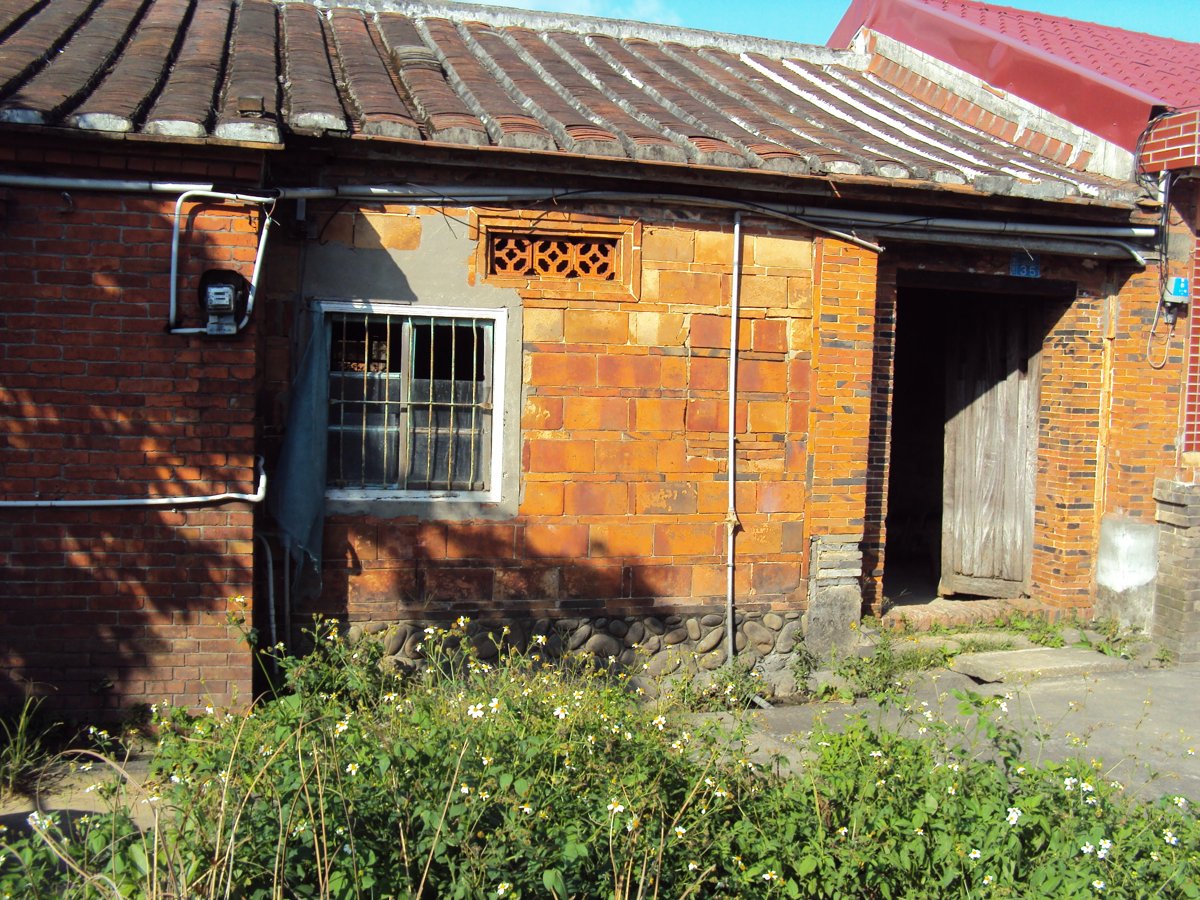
(1056, 295)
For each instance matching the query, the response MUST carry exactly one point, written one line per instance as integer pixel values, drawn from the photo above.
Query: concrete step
(1018, 666)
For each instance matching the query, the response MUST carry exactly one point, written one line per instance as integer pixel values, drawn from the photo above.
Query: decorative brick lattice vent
(553, 256)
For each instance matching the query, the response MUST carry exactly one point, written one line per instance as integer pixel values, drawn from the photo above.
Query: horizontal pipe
(1098, 249)
(260, 492)
(100, 184)
(818, 217)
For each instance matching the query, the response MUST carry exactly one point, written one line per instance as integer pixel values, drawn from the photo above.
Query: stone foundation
(648, 647)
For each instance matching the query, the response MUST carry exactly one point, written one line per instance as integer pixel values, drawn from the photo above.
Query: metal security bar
(410, 402)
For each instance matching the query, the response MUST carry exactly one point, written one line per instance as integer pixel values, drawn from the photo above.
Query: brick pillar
(1176, 625)
(839, 441)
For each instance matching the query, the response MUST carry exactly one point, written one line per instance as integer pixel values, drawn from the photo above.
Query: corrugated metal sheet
(259, 70)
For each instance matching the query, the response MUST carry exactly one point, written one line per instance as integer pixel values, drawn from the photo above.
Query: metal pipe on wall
(731, 517)
(260, 493)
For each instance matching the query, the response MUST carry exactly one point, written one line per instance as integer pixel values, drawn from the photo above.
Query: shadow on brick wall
(104, 608)
(379, 572)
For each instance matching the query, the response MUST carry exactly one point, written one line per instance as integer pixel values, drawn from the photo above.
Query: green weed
(523, 777)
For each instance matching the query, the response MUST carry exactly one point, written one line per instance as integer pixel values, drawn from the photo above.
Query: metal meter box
(222, 300)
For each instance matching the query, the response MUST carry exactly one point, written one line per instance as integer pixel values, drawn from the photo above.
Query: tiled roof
(1163, 67)
(259, 71)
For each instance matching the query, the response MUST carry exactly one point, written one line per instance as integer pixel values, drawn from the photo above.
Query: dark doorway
(964, 434)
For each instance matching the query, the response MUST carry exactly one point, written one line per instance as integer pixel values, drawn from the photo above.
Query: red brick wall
(103, 608)
(1188, 193)
(1173, 143)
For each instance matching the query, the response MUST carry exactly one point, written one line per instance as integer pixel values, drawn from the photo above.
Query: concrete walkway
(1142, 723)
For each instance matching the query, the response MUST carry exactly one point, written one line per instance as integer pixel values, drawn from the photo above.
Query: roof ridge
(507, 16)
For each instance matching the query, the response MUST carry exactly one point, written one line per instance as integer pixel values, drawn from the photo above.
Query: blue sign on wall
(1178, 288)
(1025, 265)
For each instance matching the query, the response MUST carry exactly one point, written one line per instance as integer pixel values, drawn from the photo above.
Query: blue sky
(813, 21)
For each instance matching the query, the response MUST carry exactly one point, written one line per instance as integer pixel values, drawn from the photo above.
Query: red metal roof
(1103, 78)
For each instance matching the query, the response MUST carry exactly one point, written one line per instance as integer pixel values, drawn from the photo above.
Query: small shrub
(518, 778)
(1037, 629)
(733, 687)
(25, 754)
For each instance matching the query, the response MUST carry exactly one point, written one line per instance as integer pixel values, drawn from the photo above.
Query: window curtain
(297, 497)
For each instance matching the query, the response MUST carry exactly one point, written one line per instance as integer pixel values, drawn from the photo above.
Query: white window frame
(499, 320)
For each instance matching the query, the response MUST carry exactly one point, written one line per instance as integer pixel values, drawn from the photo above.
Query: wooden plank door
(993, 365)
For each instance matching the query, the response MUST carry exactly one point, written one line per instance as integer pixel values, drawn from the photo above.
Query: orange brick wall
(104, 608)
(623, 462)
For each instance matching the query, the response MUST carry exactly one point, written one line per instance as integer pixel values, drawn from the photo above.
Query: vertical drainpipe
(731, 517)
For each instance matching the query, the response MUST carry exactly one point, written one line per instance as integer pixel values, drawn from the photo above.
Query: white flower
(1105, 846)
(1086, 788)
(876, 754)
(1021, 770)
(1069, 784)
(1087, 848)
(389, 698)
(494, 704)
(475, 710)
(462, 621)
(918, 831)
(1090, 800)
(340, 727)
(560, 713)
(1098, 884)
(539, 639)
(486, 760)
(659, 722)
(1180, 802)
(614, 807)
(464, 788)
(843, 831)
(974, 854)
(503, 887)
(769, 875)
(1169, 837)
(352, 768)
(693, 866)
(951, 790)
(1014, 814)
(526, 809)
(987, 879)
(680, 831)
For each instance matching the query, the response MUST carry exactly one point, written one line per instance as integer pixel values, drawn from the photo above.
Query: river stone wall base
(650, 648)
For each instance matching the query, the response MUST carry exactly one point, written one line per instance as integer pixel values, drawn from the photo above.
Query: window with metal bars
(411, 401)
